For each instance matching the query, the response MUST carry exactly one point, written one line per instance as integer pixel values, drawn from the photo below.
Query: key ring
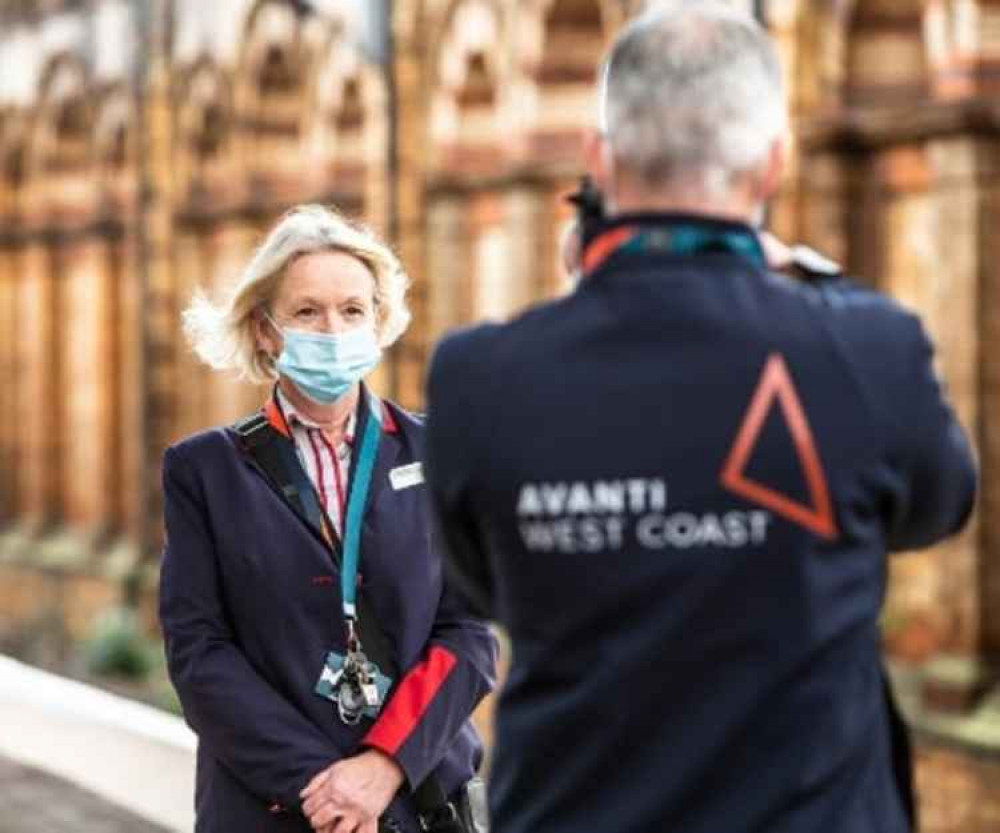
(353, 639)
(350, 715)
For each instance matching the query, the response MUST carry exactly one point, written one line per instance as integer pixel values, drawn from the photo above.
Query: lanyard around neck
(684, 237)
(356, 501)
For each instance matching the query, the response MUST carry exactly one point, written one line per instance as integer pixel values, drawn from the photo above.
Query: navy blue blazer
(250, 605)
(676, 489)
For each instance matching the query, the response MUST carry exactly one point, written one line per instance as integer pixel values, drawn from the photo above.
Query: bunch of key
(356, 687)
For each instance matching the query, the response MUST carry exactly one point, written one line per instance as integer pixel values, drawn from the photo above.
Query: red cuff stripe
(411, 699)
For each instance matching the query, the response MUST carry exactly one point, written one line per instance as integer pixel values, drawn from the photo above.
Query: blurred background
(145, 145)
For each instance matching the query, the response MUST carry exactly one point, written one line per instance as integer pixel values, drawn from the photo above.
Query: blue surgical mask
(324, 366)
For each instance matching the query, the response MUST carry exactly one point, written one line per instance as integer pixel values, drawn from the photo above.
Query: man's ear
(598, 159)
(774, 170)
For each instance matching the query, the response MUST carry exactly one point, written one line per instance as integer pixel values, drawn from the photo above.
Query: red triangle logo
(776, 384)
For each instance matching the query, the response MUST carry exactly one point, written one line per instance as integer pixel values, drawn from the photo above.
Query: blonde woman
(326, 668)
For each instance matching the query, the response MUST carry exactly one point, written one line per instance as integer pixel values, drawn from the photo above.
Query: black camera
(590, 212)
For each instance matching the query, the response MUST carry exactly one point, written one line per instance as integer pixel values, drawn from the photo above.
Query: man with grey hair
(693, 111)
(677, 487)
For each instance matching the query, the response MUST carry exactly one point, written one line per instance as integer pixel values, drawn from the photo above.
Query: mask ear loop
(278, 330)
(273, 323)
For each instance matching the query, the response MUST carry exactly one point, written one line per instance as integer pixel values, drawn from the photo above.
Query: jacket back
(676, 489)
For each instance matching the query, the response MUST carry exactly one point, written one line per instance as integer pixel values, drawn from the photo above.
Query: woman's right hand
(352, 792)
(368, 827)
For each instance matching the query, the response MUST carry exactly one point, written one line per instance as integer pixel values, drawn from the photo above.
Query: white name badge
(405, 476)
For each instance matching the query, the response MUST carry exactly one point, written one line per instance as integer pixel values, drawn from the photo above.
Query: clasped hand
(350, 795)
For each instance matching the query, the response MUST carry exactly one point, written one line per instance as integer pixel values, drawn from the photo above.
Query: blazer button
(277, 809)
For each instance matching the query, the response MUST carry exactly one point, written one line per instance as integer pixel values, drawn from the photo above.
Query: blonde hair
(223, 335)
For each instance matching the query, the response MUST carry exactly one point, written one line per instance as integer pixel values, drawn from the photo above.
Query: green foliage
(166, 698)
(119, 648)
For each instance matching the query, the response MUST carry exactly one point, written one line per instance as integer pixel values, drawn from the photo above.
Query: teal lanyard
(676, 237)
(695, 239)
(356, 500)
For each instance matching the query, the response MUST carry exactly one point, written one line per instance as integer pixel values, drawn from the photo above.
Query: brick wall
(894, 173)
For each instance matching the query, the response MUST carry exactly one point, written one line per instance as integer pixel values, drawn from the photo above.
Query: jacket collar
(277, 419)
(388, 453)
(675, 234)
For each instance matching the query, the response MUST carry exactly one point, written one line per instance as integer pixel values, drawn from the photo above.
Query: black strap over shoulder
(275, 455)
(277, 458)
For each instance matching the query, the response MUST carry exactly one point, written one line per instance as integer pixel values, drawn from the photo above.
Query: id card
(404, 477)
(331, 677)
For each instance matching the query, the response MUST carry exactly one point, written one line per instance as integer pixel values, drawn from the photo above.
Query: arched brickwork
(114, 150)
(886, 55)
(563, 45)
(348, 130)
(206, 128)
(469, 69)
(269, 97)
(61, 144)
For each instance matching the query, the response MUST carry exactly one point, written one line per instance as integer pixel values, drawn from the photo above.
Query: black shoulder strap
(276, 457)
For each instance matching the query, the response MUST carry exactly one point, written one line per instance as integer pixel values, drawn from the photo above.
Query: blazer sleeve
(239, 718)
(448, 464)
(935, 466)
(435, 698)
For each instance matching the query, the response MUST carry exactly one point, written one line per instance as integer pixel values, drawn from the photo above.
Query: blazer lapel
(311, 513)
(388, 449)
(278, 489)
(388, 452)
(277, 462)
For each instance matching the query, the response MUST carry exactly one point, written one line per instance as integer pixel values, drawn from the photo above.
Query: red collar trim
(388, 421)
(605, 245)
(277, 419)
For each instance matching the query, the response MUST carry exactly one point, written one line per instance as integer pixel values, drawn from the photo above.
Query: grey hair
(692, 91)
(223, 335)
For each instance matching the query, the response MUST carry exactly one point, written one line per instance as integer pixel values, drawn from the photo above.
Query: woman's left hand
(350, 795)
(778, 255)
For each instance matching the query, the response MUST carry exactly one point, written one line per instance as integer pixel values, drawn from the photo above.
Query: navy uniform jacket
(250, 605)
(676, 489)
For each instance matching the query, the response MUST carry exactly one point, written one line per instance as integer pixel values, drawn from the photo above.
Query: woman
(317, 654)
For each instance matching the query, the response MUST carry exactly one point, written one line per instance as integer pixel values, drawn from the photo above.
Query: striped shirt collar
(297, 420)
